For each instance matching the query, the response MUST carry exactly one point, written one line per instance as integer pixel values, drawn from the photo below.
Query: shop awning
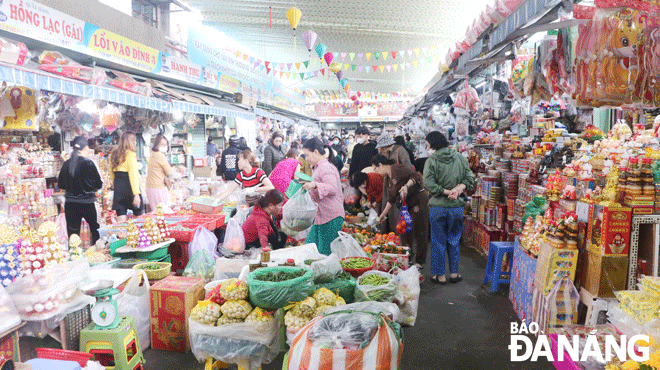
(278, 117)
(30, 76)
(217, 109)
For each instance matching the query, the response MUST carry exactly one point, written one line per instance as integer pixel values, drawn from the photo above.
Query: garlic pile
(259, 315)
(234, 289)
(206, 313)
(299, 314)
(236, 309)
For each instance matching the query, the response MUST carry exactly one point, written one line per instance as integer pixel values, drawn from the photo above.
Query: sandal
(455, 280)
(434, 280)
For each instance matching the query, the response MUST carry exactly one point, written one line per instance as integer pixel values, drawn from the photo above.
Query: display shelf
(634, 246)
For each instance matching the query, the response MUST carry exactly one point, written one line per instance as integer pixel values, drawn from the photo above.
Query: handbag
(405, 223)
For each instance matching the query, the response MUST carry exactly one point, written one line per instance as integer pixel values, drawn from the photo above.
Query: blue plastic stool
(496, 253)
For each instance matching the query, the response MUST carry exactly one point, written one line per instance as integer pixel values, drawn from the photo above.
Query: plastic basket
(187, 235)
(158, 274)
(215, 220)
(64, 355)
(386, 261)
(358, 272)
(116, 244)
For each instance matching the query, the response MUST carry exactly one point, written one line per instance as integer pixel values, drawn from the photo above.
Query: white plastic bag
(299, 212)
(326, 269)
(373, 218)
(242, 214)
(134, 301)
(204, 239)
(377, 293)
(10, 317)
(234, 242)
(408, 295)
(346, 246)
(389, 309)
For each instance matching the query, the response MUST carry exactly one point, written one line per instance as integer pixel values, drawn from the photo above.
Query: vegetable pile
(356, 263)
(151, 266)
(375, 280)
(299, 314)
(279, 276)
(236, 309)
(375, 286)
(206, 313)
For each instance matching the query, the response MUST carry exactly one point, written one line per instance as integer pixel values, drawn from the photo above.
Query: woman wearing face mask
(126, 178)
(273, 153)
(325, 190)
(260, 228)
(339, 148)
(158, 183)
(80, 178)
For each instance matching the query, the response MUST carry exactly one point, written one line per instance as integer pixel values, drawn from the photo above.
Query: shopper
(447, 176)
(399, 140)
(334, 158)
(251, 178)
(229, 162)
(339, 147)
(325, 190)
(259, 151)
(273, 153)
(370, 185)
(80, 179)
(350, 144)
(211, 148)
(363, 152)
(126, 178)
(283, 173)
(260, 228)
(406, 183)
(158, 172)
(387, 147)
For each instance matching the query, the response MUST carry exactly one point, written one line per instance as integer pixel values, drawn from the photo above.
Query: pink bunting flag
(360, 68)
(281, 65)
(374, 68)
(393, 54)
(343, 56)
(389, 67)
(410, 51)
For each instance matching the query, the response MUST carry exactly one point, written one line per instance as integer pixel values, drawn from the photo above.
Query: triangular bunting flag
(289, 65)
(393, 54)
(435, 57)
(343, 56)
(281, 73)
(410, 51)
(415, 63)
(267, 64)
(316, 73)
(425, 50)
(389, 68)
(408, 65)
(335, 55)
(385, 55)
(395, 66)
(429, 60)
(302, 76)
(360, 68)
(281, 66)
(298, 66)
(374, 68)
(432, 48)
(402, 53)
(353, 67)
(238, 54)
(255, 64)
(259, 61)
(346, 67)
(382, 68)
(251, 60)
(323, 71)
(351, 55)
(416, 51)
(245, 56)
(403, 66)
(368, 55)
(360, 55)
(377, 56)
(268, 70)
(306, 63)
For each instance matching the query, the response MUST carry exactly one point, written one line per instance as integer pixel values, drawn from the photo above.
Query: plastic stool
(494, 272)
(117, 348)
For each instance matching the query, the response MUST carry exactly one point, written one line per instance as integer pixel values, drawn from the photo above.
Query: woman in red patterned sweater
(260, 228)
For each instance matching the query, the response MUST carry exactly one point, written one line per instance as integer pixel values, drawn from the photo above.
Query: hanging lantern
(343, 82)
(354, 98)
(328, 58)
(334, 67)
(293, 15)
(309, 38)
(320, 50)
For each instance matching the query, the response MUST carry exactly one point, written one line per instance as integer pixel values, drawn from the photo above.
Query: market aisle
(459, 326)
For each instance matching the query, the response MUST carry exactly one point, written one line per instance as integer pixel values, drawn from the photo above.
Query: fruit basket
(155, 270)
(357, 272)
(388, 261)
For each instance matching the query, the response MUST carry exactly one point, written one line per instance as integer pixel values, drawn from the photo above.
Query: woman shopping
(260, 228)
(325, 190)
(406, 184)
(250, 177)
(80, 178)
(126, 178)
(158, 183)
(371, 185)
(273, 153)
(283, 173)
(447, 175)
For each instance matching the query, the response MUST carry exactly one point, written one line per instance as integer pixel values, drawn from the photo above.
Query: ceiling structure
(350, 26)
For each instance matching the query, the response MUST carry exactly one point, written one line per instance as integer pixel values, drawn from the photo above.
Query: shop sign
(180, 69)
(281, 102)
(39, 22)
(113, 47)
(210, 77)
(228, 84)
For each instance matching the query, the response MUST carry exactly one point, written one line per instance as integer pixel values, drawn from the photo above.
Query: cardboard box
(553, 265)
(609, 230)
(605, 274)
(522, 282)
(172, 299)
(208, 171)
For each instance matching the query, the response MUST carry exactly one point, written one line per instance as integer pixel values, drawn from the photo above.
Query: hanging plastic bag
(234, 242)
(346, 246)
(405, 223)
(373, 218)
(242, 213)
(134, 301)
(201, 265)
(204, 240)
(62, 234)
(326, 269)
(350, 195)
(408, 291)
(299, 212)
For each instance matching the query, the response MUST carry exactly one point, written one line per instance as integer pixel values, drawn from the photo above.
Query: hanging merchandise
(23, 102)
(110, 117)
(467, 98)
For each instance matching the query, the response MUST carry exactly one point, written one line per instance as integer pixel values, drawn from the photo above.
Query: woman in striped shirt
(251, 176)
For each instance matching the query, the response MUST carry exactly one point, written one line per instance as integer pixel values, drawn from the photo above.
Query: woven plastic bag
(346, 246)
(271, 294)
(134, 301)
(299, 212)
(203, 240)
(201, 266)
(234, 242)
(376, 293)
(383, 351)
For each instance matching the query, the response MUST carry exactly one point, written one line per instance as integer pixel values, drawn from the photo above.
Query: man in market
(363, 152)
(229, 163)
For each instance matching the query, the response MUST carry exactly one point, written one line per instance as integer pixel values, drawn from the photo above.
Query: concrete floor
(459, 326)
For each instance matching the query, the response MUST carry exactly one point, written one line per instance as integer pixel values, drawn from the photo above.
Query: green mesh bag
(278, 294)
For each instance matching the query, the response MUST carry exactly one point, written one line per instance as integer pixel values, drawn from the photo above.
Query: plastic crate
(358, 272)
(215, 220)
(187, 235)
(64, 355)
(71, 327)
(116, 244)
(153, 255)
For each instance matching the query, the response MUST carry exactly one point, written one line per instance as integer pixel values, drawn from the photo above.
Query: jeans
(446, 230)
(75, 212)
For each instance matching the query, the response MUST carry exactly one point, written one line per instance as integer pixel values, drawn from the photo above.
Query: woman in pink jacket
(283, 172)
